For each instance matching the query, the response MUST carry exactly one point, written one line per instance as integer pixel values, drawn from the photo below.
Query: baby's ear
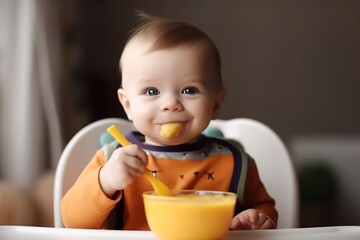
(124, 100)
(218, 102)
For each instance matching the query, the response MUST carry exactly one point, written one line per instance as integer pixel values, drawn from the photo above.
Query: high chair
(262, 143)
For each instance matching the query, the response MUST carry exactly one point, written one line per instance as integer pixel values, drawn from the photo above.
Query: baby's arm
(251, 219)
(260, 210)
(123, 166)
(86, 205)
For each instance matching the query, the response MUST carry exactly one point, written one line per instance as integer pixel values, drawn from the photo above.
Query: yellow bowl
(190, 214)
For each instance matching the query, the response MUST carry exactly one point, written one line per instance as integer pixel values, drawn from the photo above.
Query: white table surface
(39, 233)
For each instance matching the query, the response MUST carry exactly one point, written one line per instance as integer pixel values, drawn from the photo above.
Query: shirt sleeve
(256, 196)
(85, 205)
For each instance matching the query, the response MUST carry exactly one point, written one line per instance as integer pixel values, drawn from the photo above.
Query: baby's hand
(250, 219)
(123, 166)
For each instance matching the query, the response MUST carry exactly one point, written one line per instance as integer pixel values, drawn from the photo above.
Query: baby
(171, 74)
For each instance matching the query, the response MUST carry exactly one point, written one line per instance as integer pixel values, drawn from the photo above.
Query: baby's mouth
(169, 130)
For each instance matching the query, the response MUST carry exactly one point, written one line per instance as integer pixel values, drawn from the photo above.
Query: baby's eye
(151, 92)
(190, 90)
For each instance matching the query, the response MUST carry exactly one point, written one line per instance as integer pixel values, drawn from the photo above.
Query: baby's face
(176, 85)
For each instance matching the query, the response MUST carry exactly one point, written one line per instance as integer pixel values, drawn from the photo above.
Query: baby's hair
(165, 33)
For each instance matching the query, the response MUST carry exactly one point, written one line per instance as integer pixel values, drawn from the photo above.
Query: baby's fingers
(261, 222)
(244, 220)
(253, 216)
(133, 172)
(136, 165)
(136, 152)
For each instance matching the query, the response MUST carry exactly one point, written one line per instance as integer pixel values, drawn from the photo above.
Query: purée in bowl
(191, 214)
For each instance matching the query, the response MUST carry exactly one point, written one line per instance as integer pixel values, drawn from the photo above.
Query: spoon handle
(118, 136)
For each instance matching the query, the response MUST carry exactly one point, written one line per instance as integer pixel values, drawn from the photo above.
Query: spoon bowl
(159, 187)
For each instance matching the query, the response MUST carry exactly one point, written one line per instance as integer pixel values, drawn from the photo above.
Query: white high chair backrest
(275, 167)
(273, 161)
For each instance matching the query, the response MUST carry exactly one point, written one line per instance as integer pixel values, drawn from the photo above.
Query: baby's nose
(172, 103)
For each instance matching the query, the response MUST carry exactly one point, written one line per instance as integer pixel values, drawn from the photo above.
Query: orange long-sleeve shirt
(208, 164)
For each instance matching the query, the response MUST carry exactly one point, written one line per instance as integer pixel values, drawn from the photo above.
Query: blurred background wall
(293, 65)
